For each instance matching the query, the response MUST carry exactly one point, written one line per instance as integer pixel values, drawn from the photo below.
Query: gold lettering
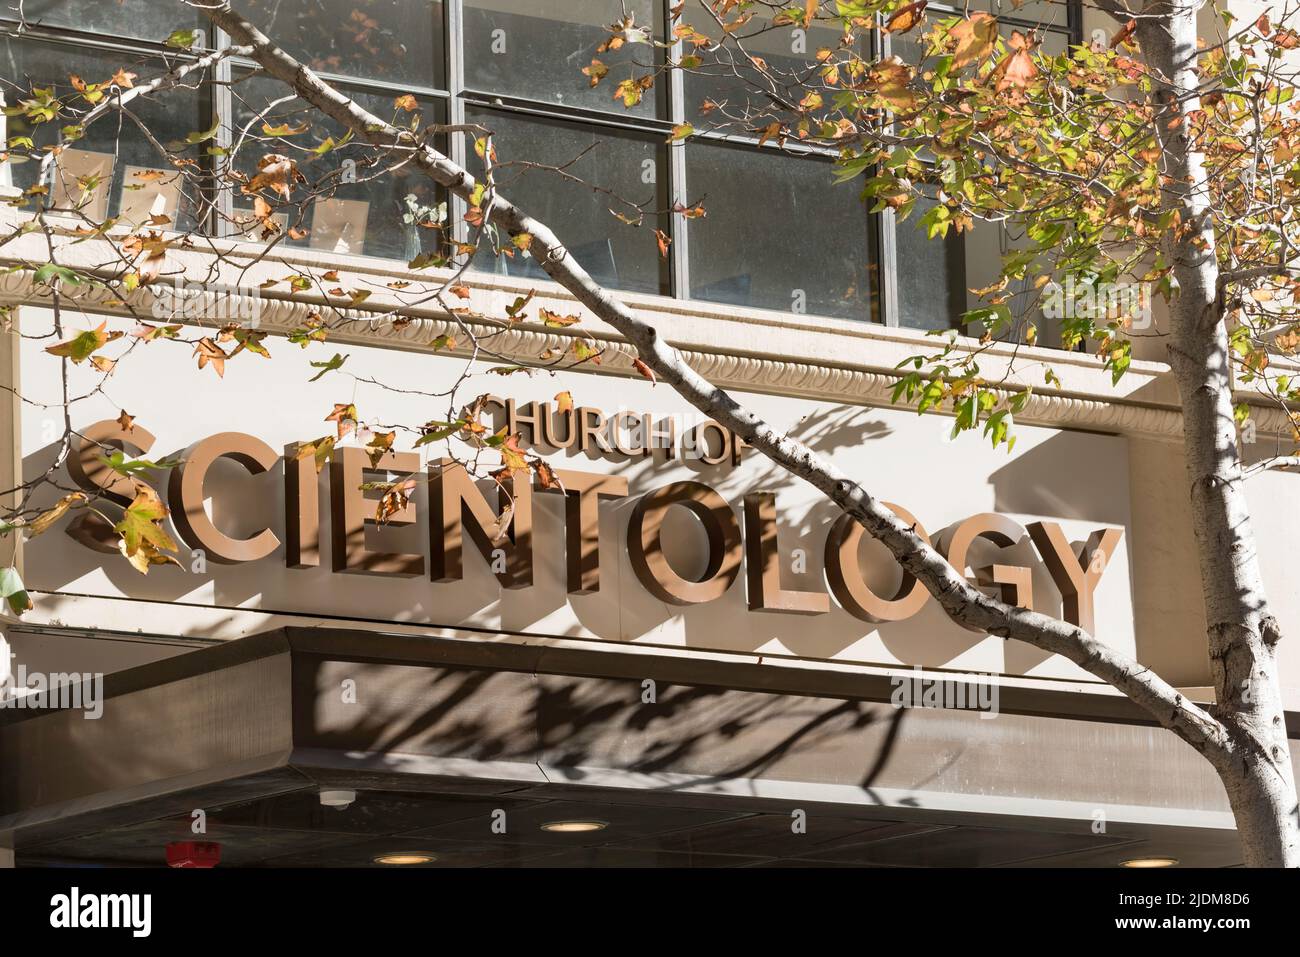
(351, 511)
(646, 547)
(1076, 575)
(849, 585)
(582, 494)
(763, 564)
(185, 488)
(458, 509)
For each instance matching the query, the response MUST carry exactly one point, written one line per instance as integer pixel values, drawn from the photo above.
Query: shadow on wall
(575, 724)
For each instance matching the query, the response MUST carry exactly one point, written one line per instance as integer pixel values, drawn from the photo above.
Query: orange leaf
(906, 18)
(975, 39)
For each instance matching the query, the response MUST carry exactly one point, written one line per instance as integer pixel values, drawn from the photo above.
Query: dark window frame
(881, 246)
(43, 36)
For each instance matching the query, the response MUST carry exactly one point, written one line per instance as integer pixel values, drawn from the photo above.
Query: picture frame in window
(148, 192)
(339, 225)
(76, 166)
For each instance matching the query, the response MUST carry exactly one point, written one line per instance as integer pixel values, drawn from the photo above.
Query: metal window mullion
(680, 277)
(540, 108)
(455, 51)
(886, 237)
(362, 83)
(68, 36)
(223, 107)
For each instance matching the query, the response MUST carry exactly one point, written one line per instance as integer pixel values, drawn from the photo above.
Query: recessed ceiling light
(574, 827)
(1149, 862)
(406, 858)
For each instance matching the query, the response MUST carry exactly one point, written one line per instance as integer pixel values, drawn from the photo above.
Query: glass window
(399, 41)
(1051, 42)
(536, 49)
(617, 170)
(113, 170)
(778, 233)
(152, 20)
(1047, 13)
(351, 201)
(931, 274)
(745, 97)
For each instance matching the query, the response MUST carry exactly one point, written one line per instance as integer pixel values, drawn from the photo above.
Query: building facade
(678, 655)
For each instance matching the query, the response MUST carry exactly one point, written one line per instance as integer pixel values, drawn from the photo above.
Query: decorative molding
(710, 336)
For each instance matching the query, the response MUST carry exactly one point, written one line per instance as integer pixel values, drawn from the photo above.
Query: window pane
(745, 97)
(137, 19)
(778, 234)
(909, 47)
(931, 275)
(113, 170)
(395, 40)
(1047, 13)
(536, 49)
(626, 168)
(351, 202)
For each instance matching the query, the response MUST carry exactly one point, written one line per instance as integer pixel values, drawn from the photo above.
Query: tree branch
(119, 98)
(962, 601)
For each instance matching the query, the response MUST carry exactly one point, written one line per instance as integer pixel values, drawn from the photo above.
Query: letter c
(185, 491)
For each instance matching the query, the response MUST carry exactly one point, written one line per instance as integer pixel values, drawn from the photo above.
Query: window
(534, 49)
(112, 171)
(395, 41)
(350, 202)
(777, 233)
(803, 248)
(626, 168)
(932, 277)
(152, 20)
(728, 86)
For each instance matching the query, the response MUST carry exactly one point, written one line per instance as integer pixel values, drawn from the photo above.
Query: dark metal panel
(154, 736)
(490, 718)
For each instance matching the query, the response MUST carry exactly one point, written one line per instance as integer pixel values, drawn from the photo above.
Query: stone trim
(838, 360)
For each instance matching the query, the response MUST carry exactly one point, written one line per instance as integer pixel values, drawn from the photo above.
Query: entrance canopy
(470, 751)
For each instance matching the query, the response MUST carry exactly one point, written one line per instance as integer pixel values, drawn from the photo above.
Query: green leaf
(204, 136)
(13, 591)
(682, 131)
(998, 429)
(120, 464)
(52, 270)
(438, 431)
(182, 39)
(335, 363)
(140, 522)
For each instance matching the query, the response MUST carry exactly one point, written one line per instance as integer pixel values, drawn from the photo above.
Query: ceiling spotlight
(574, 827)
(1149, 862)
(337, 799)
(406, 858)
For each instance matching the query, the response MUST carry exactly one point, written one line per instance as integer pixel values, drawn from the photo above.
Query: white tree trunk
(1243, 636)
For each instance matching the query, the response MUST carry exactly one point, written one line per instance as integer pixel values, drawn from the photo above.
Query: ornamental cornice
(850, 363)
